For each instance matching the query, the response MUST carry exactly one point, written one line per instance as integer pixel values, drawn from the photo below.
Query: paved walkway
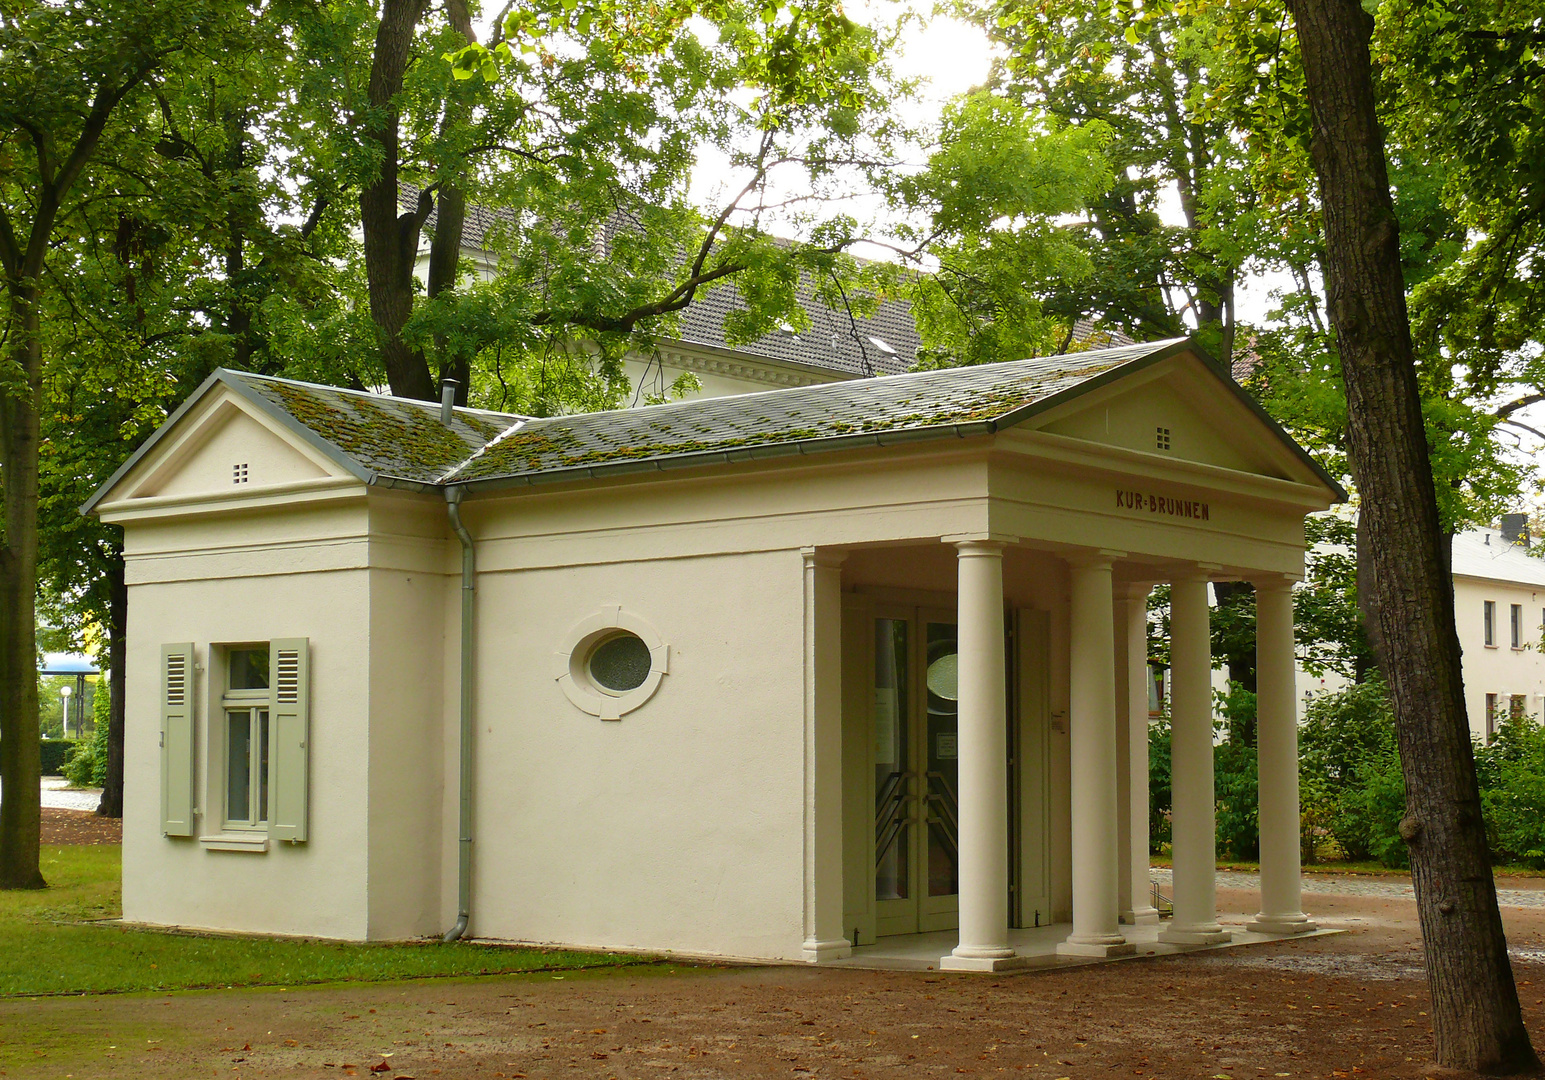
(57, 794)
(1390, 888)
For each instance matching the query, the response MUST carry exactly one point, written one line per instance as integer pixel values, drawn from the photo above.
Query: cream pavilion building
(776, 676)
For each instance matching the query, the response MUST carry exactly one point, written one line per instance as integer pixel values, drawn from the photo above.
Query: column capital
(979, 538)
(1133, 590)
(1093, 557)
(1196, 572)
(823, 557)
(1275, 582)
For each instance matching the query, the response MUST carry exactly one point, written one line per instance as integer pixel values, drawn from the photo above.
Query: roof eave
(740, 455)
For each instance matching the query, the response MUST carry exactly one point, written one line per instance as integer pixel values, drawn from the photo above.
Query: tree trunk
(1476, 1018)
(21, 764)
(444, 264)
(117, 650)
(390, 238)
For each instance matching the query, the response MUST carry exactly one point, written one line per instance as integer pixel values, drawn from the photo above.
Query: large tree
(68, 74)
(1476, 1016)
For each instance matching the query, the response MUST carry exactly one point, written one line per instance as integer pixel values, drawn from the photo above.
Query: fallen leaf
(383, 1067)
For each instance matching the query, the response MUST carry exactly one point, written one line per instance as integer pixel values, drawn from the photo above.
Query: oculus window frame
(574, 663)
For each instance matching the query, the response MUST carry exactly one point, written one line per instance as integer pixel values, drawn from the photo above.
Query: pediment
(1180, 410)
(224, 446)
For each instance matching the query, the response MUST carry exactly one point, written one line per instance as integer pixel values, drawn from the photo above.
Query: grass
(50, 945)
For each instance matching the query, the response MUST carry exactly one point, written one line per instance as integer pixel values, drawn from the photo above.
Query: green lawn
(49, 945)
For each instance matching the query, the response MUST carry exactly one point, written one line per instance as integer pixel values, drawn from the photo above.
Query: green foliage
(1327, 621)
(1236, 783)
(1349, 772)
(47, 946)
(87, 766)
(1512, 776)
(55, 753)
(1159, 796)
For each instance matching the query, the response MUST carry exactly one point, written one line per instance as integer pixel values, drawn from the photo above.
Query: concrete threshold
(1037, 948)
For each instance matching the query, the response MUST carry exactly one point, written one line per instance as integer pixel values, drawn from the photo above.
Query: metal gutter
(468, 649)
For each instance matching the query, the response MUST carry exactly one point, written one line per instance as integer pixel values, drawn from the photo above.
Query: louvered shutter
(288, 753)
(177, 752)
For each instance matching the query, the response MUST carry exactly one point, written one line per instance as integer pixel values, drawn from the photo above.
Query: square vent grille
(1163, 438)
(239, 473)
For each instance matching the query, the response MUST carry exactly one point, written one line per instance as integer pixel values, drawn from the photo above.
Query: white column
(823, 757)
(983, 763)
(1132, 747)
(1277, 752)
(1092, 739)
(1192, 798)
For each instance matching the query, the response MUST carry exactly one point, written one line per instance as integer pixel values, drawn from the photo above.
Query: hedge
(55, 753)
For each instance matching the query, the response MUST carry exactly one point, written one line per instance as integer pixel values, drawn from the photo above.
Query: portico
(1005, 786)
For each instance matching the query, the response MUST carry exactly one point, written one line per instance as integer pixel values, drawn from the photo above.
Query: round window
(620, 663)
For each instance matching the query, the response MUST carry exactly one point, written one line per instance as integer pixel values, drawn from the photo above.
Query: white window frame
(230, 701)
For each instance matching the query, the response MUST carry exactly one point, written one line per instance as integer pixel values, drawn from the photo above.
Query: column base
(952, 962)
(1116, 945)
(816, 951)
(1203, 934)
(1144, 916)
(1296, 923)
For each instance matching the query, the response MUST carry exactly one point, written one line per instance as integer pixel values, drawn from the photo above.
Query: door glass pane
(238, 768)
(892, 835)
(262, 765)
(943, 764)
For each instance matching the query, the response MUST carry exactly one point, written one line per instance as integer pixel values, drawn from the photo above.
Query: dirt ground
(1349, 1005)
(79, 827)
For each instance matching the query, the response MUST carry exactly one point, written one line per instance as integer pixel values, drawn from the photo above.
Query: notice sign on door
(946, 746)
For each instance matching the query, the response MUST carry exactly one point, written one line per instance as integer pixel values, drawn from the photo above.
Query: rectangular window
(1491, 717)
(246, 704)
(1516, 625)
(1490, 619)
(1517, 706)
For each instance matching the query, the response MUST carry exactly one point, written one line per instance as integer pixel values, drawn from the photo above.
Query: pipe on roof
(468, 646)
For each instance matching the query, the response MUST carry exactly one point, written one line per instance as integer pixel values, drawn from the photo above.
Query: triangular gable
(1177, 405)
(223, 440)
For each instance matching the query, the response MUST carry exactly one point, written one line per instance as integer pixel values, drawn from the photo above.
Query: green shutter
(288, 756)
(177, 760)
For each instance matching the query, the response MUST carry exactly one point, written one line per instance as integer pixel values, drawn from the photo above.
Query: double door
(916, 770)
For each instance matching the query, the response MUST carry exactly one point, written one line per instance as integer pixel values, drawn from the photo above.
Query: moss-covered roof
(393, 439)
(387, 436)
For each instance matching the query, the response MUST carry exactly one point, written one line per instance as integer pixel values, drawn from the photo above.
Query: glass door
(915, 755)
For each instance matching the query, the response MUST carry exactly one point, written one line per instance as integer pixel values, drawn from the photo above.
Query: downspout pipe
(453, 497)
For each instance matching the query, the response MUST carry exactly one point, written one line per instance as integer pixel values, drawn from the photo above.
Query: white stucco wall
(316, 888)
(1499, 669)
(678, 826)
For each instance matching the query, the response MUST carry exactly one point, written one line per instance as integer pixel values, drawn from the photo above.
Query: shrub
(55, 753)
(1236, 781)
(1158, 784)
(1512, 775)
(1349, 773)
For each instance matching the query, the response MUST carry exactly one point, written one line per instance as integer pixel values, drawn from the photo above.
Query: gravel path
(1396, 888)
(57, 794)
